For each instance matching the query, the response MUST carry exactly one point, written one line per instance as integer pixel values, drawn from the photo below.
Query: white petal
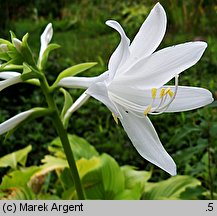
(121, 53)
(81, 82)
(8, 74)
(99, 91)
(46, 38)
(157, 69)
(77, 104)
(8, 82)
(14, 121)
(17, 43)
(189, 98)
(150, 34)
(146, 141)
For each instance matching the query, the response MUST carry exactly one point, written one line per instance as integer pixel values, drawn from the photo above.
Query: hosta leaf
(133, 177)
(170, 188)
(18, 178)
(19, 193)
(104, 180)
(81, 148)
(12, 159)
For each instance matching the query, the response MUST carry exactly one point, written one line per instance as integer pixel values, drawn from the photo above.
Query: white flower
(134, 85)
(8, 74)
(45, 39)
(14, 121)
(17, 43)
(11, 80)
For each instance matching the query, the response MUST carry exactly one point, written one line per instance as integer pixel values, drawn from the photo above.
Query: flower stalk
(63, 137)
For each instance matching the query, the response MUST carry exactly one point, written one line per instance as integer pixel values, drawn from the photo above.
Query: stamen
(154, 93)
(147, 110)
(167, 91)
(162, 92)
(115, 118)
(171, 93)
(160, 109)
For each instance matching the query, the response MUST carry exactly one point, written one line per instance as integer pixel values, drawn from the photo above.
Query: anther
(115, 118)
(153, 92)
(147, 110)
(162, 92)
(171, 93)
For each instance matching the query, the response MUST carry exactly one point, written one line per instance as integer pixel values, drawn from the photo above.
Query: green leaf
(18, 178)
(67, 104)
(4, 56)
(81, 148)
(26, 51)
(42, 62)
(74, 70)
(129, 194)
(12, 159)
(133, 177)
(171, 188)
(134, 183)
(12, 35)
(3, 41)
(101, 177)
(19, 193)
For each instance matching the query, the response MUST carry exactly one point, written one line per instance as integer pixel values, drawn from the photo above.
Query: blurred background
(79, 27)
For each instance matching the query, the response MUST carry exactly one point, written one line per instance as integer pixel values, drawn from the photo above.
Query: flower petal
(8, 82)
(77, 104)
(189, 98)
(14, 121)
(8, 74)
(46, 38)
(146, 141)
(150, 34)
(81, 82)
(157, 69)
(121, 53)
(99, 91)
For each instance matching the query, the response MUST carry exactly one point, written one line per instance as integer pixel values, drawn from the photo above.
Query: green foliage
(15, 158)
(101, 176)
(169, 189)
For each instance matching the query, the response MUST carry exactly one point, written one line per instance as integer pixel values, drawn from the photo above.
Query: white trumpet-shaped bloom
(14, 121)
(46, 37)
(9, 81)
(134, 85)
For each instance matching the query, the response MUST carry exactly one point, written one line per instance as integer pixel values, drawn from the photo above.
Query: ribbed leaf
(104, 180)
(169, 189)
(15, 158)
(81, 148)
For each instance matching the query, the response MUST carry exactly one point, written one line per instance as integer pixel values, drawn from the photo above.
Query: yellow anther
(162, 92)
(115, 118)
(167, 91)
(147, 110)
(153, 92)
(171, 93)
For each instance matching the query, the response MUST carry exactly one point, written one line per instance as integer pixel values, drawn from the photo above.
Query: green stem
(63, 137)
